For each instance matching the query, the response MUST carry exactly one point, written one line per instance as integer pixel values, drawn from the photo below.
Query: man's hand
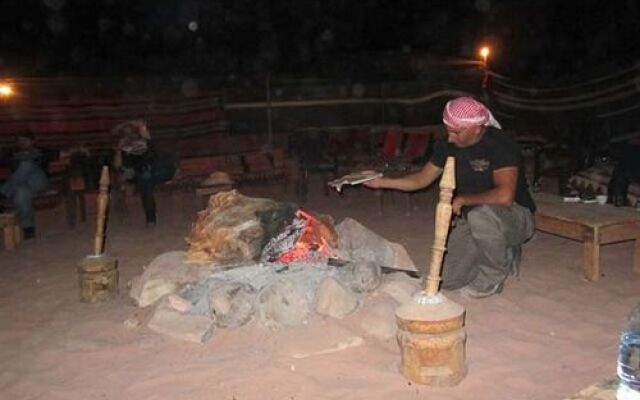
(377, 183)
(456, 205)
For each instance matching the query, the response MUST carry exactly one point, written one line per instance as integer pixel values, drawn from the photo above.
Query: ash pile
(253, 259)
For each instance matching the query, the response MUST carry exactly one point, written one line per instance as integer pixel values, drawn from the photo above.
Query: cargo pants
(484, 247)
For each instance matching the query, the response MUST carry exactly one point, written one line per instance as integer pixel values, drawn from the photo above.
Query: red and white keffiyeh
(465, 112)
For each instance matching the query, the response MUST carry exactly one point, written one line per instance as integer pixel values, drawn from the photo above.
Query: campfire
(252, 258)
(234, 226)
(309, 238)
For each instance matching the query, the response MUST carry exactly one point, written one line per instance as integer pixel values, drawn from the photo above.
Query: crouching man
(491, 199)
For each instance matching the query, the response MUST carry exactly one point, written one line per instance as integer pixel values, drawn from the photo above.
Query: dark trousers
(618, 189)
(146, 182)
(145, 189)
(25, 182)
(484, 246)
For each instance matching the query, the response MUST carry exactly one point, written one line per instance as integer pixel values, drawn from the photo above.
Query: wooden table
(592, 224)
(12, 234)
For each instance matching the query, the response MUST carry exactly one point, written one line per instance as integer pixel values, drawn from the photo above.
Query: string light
(484, 53)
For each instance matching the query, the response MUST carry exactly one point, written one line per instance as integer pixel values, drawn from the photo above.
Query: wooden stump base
(11, 231)
(432, 342)
(98, 278)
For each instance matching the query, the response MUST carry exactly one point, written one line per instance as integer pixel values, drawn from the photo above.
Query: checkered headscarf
(465, 112)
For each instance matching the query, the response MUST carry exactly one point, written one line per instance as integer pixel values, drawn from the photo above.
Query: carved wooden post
(431, 327)
(98, 273)
(103, 201)
(443, 220)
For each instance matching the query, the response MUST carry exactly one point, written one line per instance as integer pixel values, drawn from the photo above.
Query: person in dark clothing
(142, 164)
(625, 172)
(28, 178)
(491, 198)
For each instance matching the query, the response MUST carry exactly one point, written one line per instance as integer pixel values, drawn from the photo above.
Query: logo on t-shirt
(479, 165)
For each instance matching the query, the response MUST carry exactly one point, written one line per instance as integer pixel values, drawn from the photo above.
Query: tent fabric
(90, 122)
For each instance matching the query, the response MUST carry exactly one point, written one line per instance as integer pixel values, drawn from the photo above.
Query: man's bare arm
(418, 180)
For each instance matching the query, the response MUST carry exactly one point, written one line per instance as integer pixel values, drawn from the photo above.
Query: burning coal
(308, 238)
(236, 228)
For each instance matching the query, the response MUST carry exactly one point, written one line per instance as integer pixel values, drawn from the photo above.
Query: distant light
(6, 90)
(484, 53)
(193, 26)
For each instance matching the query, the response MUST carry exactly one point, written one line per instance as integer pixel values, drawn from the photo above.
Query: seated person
(625, 172)
(142, 164)
(28, 178)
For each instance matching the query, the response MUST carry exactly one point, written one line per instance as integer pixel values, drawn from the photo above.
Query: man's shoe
(514, 255)
(29, 233)
(472, 293)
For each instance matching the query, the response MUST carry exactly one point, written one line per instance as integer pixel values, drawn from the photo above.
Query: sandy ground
(549, 334)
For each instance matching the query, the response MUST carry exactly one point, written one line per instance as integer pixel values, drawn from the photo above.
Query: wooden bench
(265, 167)
(243, 168)
(592, 224)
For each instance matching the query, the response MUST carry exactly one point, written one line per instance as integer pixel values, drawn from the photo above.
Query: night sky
(543, 41)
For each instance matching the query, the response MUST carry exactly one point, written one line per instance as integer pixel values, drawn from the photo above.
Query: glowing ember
(317, 240)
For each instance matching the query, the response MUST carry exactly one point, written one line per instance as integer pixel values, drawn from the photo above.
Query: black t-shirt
(140, 163)
(475, 164)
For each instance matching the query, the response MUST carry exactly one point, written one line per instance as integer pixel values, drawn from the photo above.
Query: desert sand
(548, 335)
